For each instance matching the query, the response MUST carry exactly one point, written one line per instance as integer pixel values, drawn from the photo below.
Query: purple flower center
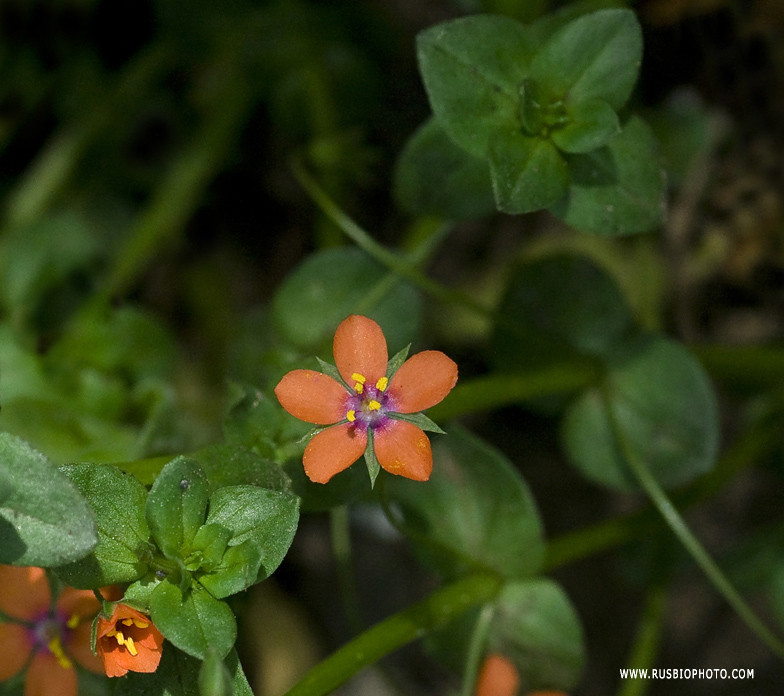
(368, 405)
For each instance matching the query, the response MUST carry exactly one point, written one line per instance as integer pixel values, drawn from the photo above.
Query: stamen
(382, 383)
(120, 638)
(131, 647)
(351, 416)
(111, 633)
(359, 382)
(373, 405)
(359, 387)
(140, 624)
(56, 648)
(127, 622)
(73, 622)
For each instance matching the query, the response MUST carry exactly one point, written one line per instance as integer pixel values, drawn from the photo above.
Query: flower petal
(333, 450)
(47, 677)
(77, 646)
(15, 647)
(312, 397)
(359, 346)
(24, 591)
(403, 449)
(498, 677)
(81, 603)
(422, 381)
(147, 639)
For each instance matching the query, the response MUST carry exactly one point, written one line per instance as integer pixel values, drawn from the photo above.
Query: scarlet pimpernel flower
(47, 634)
(370, 403)
(128, 642)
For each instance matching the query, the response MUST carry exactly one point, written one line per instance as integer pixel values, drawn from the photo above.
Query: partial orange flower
(497, 677)
(370, 403)
(128, 642)
(46, 635)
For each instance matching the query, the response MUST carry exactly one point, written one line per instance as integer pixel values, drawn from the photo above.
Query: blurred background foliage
(155, 248)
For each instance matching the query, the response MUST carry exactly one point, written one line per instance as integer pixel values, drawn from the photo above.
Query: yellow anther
(373, 405)
(127, 622)
(131, 647)
(73, 622)
(111, 633)
(351, 416)
(359, 387)
(140, 624)
(56, 648)
(359, 378)
(381, 385)
(120, 637)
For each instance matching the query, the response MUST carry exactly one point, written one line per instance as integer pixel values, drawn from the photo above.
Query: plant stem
(340, 533)
(437, 609)
(476, 648)
(372, 248)
(646, 643)
(681, 530)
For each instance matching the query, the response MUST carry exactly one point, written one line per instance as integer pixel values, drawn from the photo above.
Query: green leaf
(179, 674)
(591, 125)
(44, 520)
(617, 189)
(236, 571)
(371, 461)
(268, 519)
(420, 420)
(536, 627)
(596, 56)
(395, 362)
(434, 176)
(329, 285)
(527, 173)
(194, 621)
(210, 544)
(232, 465)
(475, 511)
(558, 309)
(124, 548)
(471, 68)
(657, 397)
(214, 677)
(177, 505)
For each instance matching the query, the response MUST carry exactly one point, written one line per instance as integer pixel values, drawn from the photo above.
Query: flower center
(48, 635)
(368, 406)
(127, 640)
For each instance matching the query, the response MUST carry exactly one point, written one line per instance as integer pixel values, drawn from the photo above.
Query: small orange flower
(53, 634)
(368, 404)
(128, 642)
(498, 677)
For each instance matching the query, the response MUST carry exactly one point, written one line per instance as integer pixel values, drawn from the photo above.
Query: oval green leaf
(658, 398)
(474, 512)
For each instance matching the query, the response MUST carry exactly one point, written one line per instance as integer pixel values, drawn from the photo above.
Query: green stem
(340, 532)
(493, 391)
(477, 648)
(646, 643)
(372, 248)
(681, 530)
(436, 610)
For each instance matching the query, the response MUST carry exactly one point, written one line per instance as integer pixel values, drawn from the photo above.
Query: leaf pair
(533, 110)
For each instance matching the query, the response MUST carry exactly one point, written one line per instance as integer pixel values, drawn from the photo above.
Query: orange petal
(312, 397)
(81, 603)
(498, 677)
(77, 646)
(117, 659)
(47, 677)
(422, 381)
(24, 591)
(403, 449)
(333, 450)
(360, 347)
(15, 647)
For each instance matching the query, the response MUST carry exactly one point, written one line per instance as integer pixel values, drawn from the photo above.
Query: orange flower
(128, 642)
(368, 404)
(44, 635)
(498, 677)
